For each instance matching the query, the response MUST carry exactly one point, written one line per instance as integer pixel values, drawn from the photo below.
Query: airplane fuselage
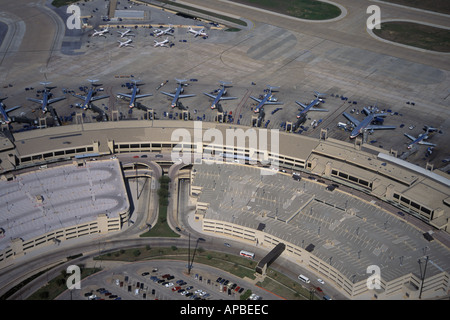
(312, 104)
(45, 101)
(217, 99)
(133, 97)
(263, 102)
(421, 137)
(87, 101)
(6, 119)
(362, 125)
(177, 94)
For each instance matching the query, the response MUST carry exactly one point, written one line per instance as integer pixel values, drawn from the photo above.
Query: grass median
(162, 228)
(303, 9)
(416, 35)
(237, 265)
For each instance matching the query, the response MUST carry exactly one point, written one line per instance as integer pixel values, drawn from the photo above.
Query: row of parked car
(226, 287)
(101, 294)
(179, 286)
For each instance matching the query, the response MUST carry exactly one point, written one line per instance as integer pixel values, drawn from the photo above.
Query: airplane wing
(210, 95)
(256, 99)
(273, 102)
(409, 136)
(378, 127)
(125, 95)
(352, 119)
(221, 98)
(143, 95)
(11, 109)
(186, 95)
(34, 100)
(79, 96)
(55, 99)
(427, 143)
(301, 104)
(315, 109)
(98, 98)
(227, 98)
(168, 94)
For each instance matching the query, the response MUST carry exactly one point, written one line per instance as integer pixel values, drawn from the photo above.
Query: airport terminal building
(348, 232)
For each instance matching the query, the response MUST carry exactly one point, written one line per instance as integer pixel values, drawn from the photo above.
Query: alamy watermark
(374, 20)
(74, 280)
(74, 20)
(221, 148)
(374, 280)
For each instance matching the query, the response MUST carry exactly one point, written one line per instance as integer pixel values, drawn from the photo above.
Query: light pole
(422, 275)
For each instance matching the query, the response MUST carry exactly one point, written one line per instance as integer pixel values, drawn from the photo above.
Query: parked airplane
(46, 101)
(125, 33)
(267, 99)
(100, 33)
(177, 95)
(311, 105)
(220, 96)
(125, 43)
(134, 94)
(4, 112)
(90, 97)
(198, 33)
(420, 139)
(161, 43)
(167, 31)
(366, 123)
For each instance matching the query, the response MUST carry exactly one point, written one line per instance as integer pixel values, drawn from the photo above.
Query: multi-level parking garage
(333, 233)
(44, 206)
(347, 233)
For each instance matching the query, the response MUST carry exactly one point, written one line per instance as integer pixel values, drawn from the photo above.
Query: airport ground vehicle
(303, 278)
(247, 254)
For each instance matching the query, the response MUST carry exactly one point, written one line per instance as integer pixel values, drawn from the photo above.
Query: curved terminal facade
(313, 223)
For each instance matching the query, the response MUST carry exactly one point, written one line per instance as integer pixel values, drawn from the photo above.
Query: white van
(303, 278)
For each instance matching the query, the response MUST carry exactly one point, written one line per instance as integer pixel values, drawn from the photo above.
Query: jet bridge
(265, 262)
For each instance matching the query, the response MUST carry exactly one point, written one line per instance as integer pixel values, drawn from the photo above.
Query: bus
(303, 278)
(247, 254)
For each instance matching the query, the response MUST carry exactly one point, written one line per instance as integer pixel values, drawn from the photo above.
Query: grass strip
(58, 285)
(416, 35)
(237, 265)
(204, 12)
(303, 9)
(162, 228)
(441, 6)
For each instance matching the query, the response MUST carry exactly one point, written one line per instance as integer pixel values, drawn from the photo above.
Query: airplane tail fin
(367, 111)
(92, 81)
(319, 95)
(46, 85)
(180, 81)
(272, 88)
(225, 83)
